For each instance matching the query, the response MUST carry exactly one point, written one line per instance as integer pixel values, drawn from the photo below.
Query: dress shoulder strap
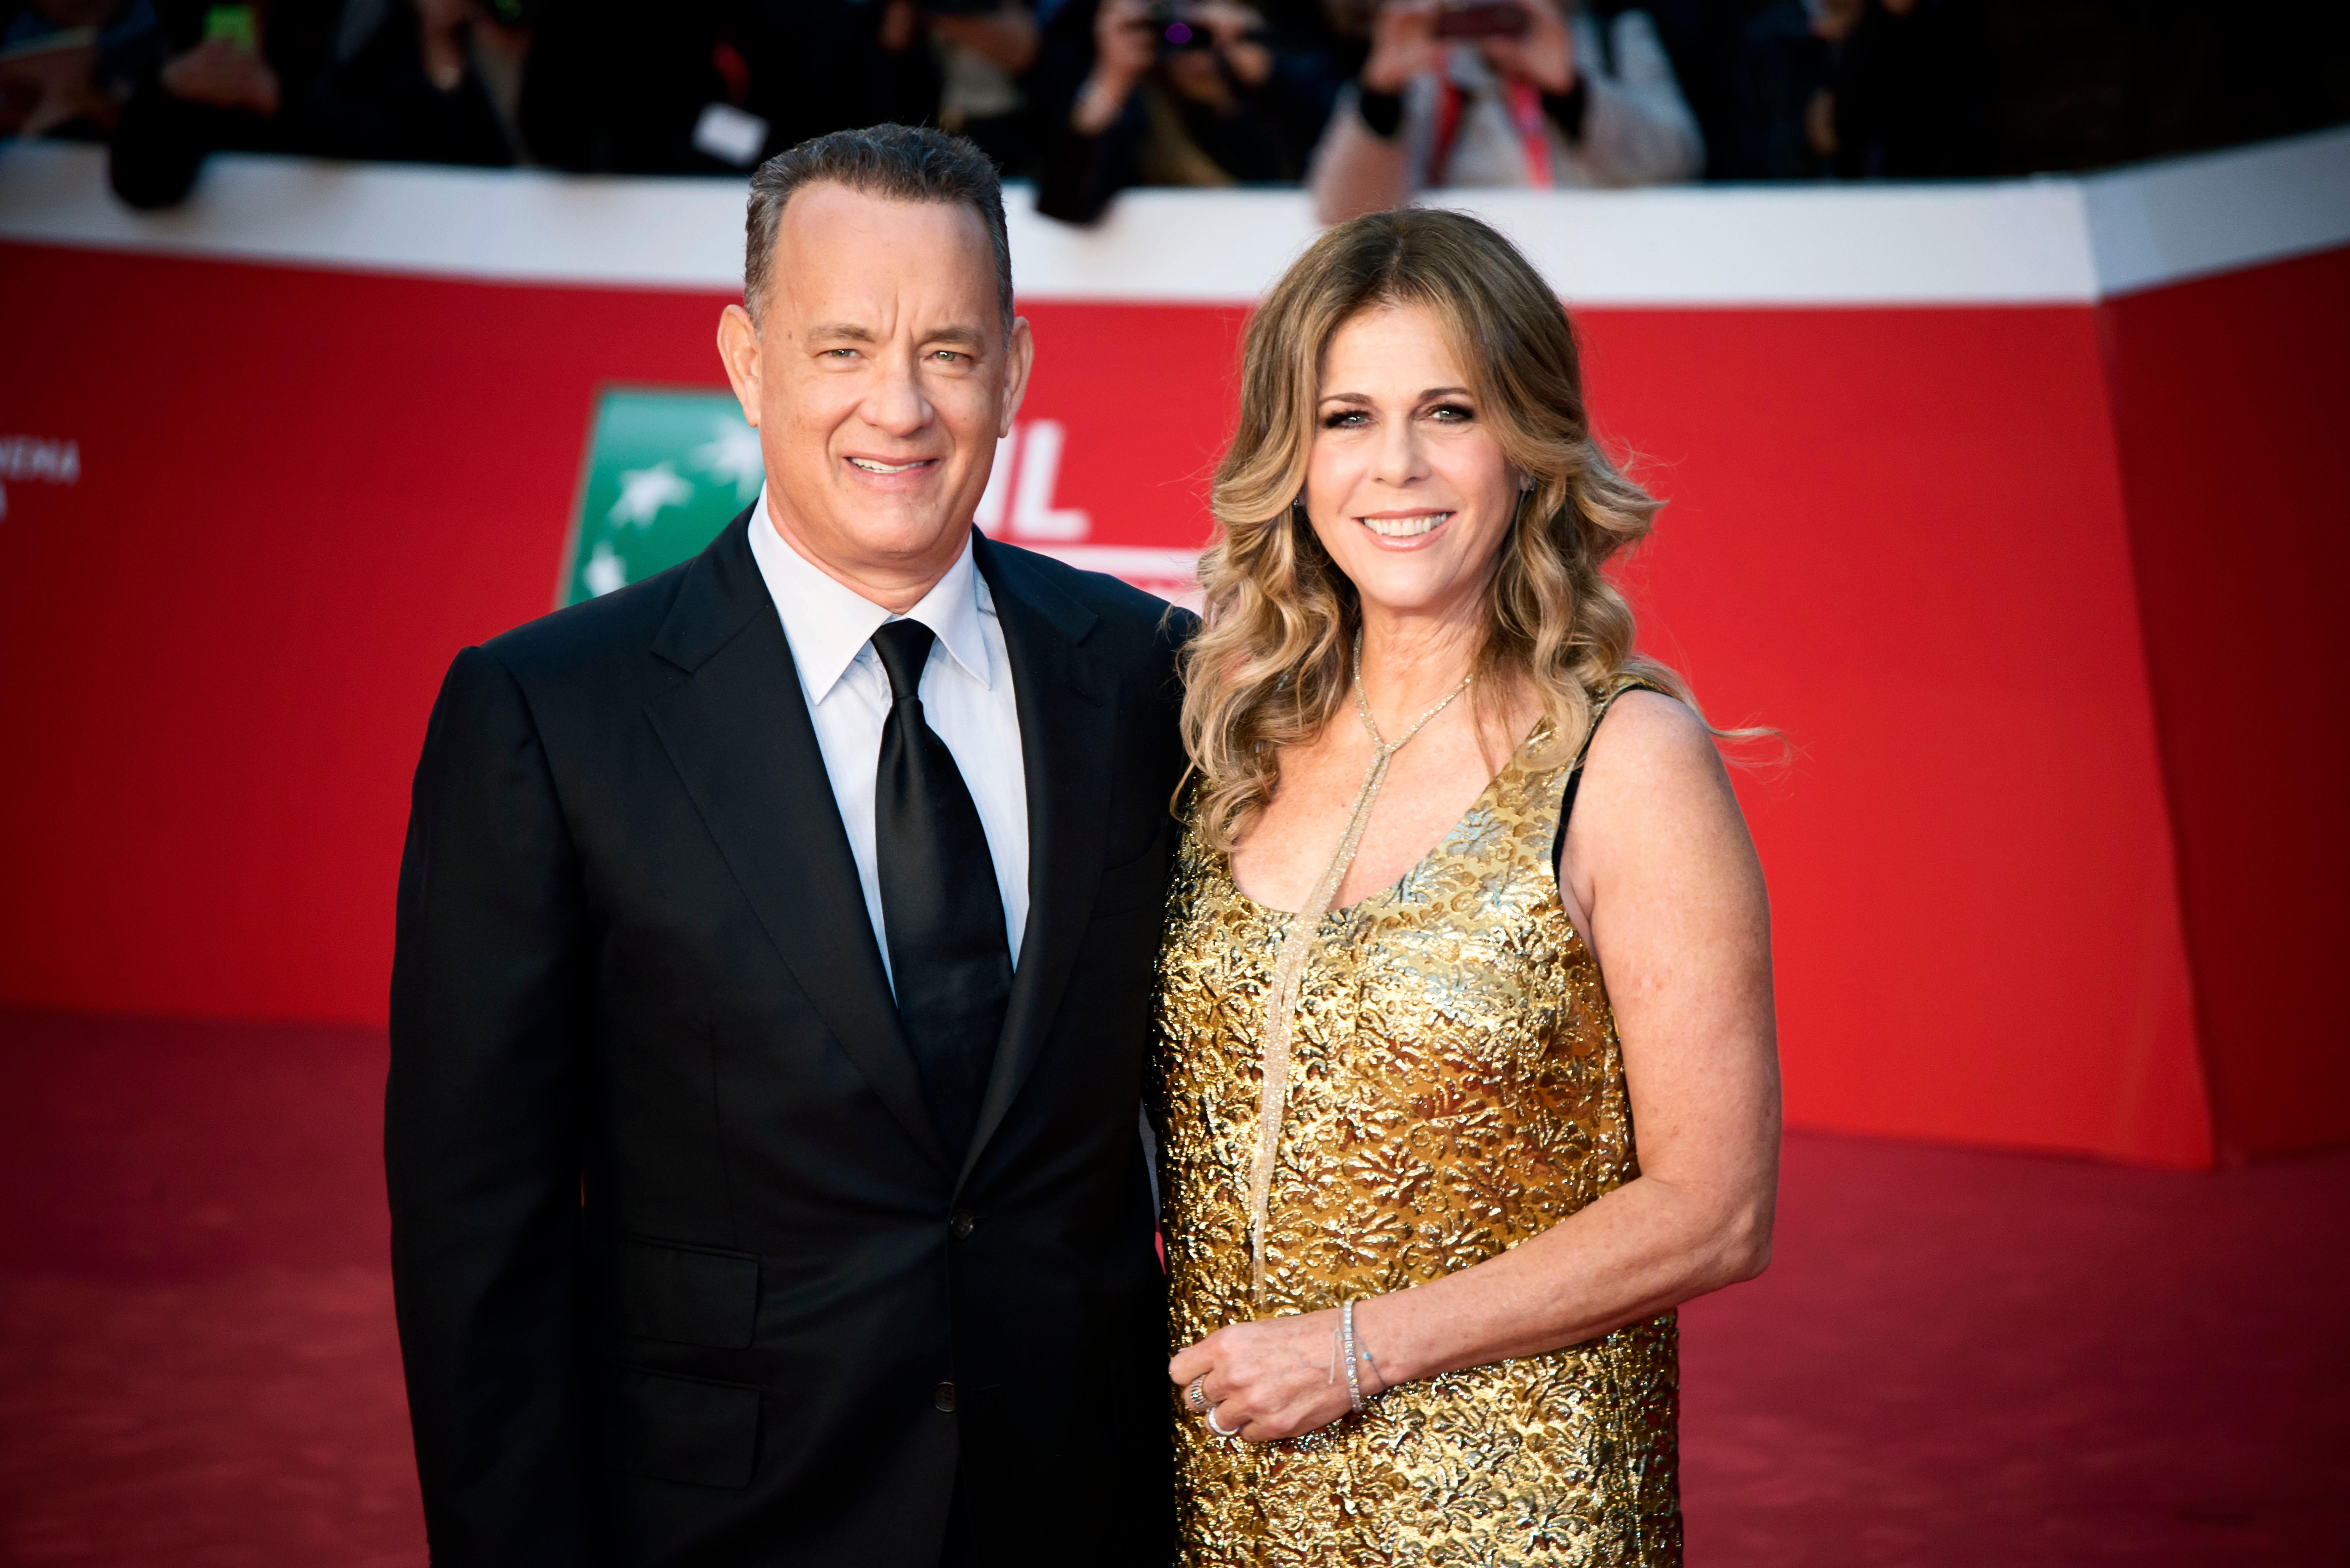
(1575, 769)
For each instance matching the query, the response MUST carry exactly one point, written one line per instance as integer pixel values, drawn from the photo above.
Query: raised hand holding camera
(1543, 53)
(1126, 44)
(1403, 45)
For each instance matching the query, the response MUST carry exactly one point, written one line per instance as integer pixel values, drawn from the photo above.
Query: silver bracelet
(1346, 1341)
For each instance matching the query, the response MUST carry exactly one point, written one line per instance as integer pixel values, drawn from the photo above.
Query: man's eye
(840, 353)
(951, 356)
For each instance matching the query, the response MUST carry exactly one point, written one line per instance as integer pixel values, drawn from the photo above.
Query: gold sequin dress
(1455, 1087)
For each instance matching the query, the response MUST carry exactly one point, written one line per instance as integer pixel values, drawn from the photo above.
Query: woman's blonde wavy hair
(1272, 663)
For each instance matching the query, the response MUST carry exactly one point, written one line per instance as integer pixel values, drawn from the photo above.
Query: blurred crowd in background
(1364, 102)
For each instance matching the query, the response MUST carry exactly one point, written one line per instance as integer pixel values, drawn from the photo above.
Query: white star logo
(605, 571)
(732, 452)
(645, 490)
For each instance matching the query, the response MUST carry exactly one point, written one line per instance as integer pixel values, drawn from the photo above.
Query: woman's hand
(1124, 46)
(1236, 30)
(1543, 54)
(1403, 45)
(1272, 1378)
(441, 27)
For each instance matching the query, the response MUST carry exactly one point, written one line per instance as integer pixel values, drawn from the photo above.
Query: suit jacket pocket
(688, 1295)
(687, 1429)
(1139, 882)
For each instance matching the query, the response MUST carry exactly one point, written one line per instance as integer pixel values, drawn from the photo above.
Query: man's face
(879, 378)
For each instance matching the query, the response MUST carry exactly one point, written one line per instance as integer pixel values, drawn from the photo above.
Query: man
(774, 979)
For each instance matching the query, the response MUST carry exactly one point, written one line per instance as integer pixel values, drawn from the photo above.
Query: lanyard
(1521, 100)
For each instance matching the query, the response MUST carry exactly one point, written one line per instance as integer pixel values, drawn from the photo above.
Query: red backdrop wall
(2229, 396)
(1902, 536)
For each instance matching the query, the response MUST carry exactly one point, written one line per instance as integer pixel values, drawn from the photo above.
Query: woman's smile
(1408, 530)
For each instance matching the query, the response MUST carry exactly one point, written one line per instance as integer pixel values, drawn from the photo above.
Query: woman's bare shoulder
(1652, 781)
(1646, 734)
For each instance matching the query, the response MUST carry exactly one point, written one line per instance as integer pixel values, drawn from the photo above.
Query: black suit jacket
(684, 1272)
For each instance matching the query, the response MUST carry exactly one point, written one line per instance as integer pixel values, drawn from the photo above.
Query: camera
(1481, 19)
(1176, 29)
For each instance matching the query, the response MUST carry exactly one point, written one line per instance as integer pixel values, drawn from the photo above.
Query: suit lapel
(1065, 757)
(739, 733)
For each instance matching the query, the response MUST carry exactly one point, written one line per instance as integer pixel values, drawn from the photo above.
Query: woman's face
(1406, 485)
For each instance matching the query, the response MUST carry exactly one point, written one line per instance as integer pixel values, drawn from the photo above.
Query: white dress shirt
(966, 692)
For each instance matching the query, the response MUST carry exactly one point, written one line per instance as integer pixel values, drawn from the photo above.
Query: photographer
(1205, 94)
(983, 54)
(1503, 92)
(713, 86)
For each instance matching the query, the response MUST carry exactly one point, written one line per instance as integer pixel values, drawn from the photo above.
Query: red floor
(1958, 1358)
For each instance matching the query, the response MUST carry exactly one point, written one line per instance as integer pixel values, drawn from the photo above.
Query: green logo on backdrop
(666, 471)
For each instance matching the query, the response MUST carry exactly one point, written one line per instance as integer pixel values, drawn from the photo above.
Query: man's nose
(897, 404)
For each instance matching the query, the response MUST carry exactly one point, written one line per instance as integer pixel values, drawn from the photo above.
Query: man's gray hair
(896, 162)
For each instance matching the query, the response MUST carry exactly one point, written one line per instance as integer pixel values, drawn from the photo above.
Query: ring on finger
(1218, 1427)
(1197, 1395)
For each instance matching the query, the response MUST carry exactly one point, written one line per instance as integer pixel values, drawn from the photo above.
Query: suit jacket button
(961, 1223)
(944, 1397)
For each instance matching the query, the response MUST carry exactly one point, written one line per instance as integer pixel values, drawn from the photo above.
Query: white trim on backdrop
(2028, 242)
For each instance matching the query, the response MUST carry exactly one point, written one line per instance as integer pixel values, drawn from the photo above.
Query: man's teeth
(869, 466)
(1404, 527)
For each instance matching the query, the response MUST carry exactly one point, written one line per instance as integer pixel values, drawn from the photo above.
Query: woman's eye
(1344, 419)
(1452, 414)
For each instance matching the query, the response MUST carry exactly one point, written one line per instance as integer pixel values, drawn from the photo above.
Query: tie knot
(904, 647)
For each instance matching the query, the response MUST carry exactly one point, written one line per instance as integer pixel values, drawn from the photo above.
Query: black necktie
(948, 956)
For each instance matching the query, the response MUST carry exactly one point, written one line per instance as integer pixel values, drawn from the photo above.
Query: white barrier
(2042, 241)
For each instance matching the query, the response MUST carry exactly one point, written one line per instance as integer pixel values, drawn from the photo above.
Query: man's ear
(1019, 359)
(738, 351)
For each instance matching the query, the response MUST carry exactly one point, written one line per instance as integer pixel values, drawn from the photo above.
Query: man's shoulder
(1125, 617)
(592, 639)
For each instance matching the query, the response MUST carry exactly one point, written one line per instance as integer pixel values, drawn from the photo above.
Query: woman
(1423, 1279)
(1562, 98)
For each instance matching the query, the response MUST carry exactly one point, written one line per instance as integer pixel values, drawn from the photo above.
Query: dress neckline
(1516, 764)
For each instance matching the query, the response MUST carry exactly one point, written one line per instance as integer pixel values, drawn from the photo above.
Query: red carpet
(1958, 1358)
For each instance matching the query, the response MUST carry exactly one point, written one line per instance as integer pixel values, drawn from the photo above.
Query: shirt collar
(828, 624)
